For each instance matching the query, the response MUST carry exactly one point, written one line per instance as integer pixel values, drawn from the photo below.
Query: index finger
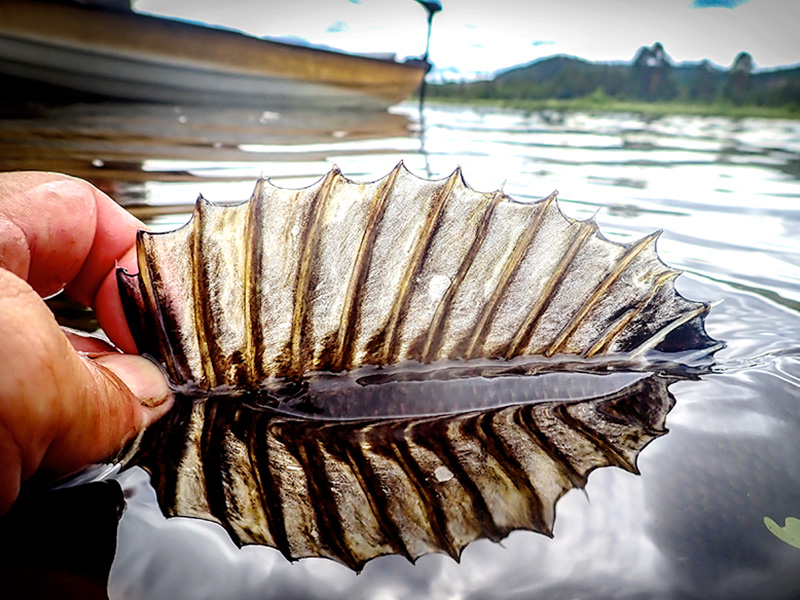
(58, 231)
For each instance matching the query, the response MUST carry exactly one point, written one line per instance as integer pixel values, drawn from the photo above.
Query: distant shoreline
(658, 109)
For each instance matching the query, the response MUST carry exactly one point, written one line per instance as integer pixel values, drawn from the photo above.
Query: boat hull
(136, 57)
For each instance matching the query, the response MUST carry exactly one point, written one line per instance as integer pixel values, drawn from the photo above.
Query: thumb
(60, 410)
(142, 378)
(118, 395)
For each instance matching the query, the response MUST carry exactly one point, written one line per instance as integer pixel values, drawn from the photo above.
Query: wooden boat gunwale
(61, 45)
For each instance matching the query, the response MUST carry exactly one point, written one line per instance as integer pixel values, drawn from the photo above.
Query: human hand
(65, 400)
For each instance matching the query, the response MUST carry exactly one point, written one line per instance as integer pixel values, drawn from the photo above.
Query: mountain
(650, 76)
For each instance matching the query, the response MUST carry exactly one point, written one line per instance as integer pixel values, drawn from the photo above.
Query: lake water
(727, 195)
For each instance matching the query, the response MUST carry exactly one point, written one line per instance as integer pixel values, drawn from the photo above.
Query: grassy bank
(605, 104)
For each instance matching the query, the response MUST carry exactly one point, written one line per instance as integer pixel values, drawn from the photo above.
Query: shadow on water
(691, 526)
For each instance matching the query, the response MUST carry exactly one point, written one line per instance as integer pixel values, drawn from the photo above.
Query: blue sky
(477, 37)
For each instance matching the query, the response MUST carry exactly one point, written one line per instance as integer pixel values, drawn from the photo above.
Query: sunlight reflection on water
(722, 190)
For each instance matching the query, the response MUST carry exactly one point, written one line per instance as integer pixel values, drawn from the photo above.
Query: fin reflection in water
(352, 489)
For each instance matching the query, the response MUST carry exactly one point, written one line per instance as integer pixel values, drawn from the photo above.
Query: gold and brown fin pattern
(344, 274)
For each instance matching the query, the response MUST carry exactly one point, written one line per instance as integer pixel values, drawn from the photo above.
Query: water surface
(725, 192)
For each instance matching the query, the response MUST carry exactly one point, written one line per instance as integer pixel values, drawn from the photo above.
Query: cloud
(717, 3)
(337, 27)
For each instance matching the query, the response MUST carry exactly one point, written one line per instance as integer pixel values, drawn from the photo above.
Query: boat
(98, 52)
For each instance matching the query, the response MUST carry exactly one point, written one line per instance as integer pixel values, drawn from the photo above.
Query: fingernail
(143, 377)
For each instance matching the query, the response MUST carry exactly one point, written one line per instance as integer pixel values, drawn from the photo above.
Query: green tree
(703, 85)
(737, 85)
(652, 77)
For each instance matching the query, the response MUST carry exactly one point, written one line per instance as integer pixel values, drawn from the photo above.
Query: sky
(478, 37)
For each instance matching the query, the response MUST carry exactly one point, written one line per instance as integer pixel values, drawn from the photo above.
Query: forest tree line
(650, 77)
